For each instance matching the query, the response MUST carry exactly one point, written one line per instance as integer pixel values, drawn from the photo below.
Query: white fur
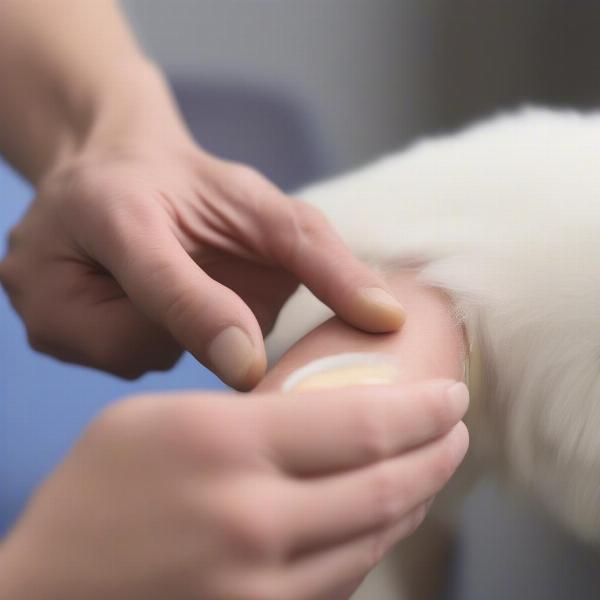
(506, 218)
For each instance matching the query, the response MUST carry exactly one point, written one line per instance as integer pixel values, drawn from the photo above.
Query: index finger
(306, 244)
(327, 431)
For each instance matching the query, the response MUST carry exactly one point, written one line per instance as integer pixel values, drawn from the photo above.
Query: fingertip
(459, 441)
(458, 396)
(254, 374)
(378, 311)
(234, 357)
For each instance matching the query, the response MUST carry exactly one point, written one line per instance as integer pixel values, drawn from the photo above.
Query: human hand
(139, 244)
(205, 496)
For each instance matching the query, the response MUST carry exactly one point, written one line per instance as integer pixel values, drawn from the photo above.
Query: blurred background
(301, 90)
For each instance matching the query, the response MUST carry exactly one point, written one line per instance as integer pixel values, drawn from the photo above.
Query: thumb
(208, 319)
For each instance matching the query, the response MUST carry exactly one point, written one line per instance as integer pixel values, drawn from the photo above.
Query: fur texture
(505, 217)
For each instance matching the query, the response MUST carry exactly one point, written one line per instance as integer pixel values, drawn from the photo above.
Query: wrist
(130, 108)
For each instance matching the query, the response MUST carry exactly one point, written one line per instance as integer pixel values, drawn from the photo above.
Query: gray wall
(377, 73)
(351, 63)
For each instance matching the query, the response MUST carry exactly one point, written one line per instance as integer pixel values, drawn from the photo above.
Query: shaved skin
(430, 345)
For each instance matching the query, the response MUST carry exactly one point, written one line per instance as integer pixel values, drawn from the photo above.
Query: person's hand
(139, 244)
(215, 497)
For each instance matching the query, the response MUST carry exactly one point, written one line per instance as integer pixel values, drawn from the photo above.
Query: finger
(306, 244)
(337, 572)
(331, 510)
(382, 543)
(319, 432)
(298, 237)
(83, 317)
(205, 317)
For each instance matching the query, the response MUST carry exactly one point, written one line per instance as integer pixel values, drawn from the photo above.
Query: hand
(139, 244)
(206, 496)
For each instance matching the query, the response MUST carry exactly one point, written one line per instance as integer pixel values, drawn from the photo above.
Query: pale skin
(139, 243)
(270, 495)
(431, 343)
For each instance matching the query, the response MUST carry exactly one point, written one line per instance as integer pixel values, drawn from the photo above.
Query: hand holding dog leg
(219, 497)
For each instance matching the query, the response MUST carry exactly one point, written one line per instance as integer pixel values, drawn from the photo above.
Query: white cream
(342, 370)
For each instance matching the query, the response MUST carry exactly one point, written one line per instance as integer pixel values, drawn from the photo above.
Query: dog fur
(505, 217)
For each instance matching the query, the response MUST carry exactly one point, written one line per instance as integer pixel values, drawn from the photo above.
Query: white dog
(505, 217)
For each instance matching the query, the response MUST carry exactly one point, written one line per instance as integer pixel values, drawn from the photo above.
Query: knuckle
(92, 180)
(306, 222)
(295, 225)
(311, 219)
(67, 188)
(116, 207)
(247, 184)
(255, 531)
(82, 180)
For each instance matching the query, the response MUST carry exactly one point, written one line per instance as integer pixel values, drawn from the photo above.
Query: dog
(503, 216)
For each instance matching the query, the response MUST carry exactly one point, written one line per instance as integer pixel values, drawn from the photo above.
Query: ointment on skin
(343, 370)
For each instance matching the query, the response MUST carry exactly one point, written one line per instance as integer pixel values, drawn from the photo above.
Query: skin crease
(139, 244)
(268, 495)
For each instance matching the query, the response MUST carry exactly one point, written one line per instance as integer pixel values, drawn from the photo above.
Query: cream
(342, 370)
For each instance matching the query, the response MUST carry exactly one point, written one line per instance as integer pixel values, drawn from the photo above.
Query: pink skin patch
(343, 370)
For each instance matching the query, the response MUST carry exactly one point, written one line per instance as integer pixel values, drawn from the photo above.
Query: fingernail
(393, 311)
(458, 396)
(232, 354)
